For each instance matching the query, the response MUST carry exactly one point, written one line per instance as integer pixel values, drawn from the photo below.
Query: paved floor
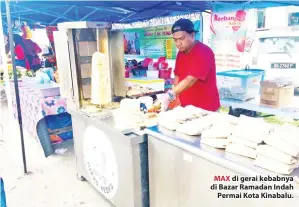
(52, 182)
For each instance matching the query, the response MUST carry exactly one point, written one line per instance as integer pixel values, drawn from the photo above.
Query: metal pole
(13, 60)
(201, 26)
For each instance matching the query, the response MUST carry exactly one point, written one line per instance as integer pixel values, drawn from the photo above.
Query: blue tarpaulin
(52, 12)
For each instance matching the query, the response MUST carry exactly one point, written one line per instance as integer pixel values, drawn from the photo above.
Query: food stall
(110, 146)
(217, 159)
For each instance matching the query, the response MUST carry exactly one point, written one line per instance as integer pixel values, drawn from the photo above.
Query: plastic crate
(240, 85)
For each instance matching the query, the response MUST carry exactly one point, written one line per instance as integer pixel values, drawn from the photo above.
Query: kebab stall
(110, 147)
(193, 142)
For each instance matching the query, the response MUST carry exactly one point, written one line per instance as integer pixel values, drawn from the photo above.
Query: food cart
(114, 160)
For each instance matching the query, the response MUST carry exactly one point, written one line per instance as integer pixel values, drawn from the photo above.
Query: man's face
(183, 40)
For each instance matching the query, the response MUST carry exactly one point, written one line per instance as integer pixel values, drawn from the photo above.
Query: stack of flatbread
(281, 150)
(246, 137)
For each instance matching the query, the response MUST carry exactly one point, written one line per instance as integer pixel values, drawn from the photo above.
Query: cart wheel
(80, 177)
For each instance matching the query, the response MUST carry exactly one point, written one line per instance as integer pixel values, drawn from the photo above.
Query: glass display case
(96, 64)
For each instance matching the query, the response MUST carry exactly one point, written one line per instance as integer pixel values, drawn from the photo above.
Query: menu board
(152, 42)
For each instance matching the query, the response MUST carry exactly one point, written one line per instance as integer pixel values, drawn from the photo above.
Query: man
(195, 70)
(125, 45)
(137, 44)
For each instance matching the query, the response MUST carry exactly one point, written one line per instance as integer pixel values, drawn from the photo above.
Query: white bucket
(152, 73)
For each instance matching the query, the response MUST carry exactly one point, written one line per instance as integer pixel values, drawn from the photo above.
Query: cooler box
(240, 85)
(156, 84)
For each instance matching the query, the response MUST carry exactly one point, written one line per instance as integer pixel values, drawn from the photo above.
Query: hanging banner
(152, 42)
(228, 36)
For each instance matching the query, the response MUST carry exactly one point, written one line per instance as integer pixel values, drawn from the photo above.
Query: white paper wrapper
(243, 142)
(218, 130)
(275, 154)
(241, 150)
(282, 146)
(216, 143)
(273, 165)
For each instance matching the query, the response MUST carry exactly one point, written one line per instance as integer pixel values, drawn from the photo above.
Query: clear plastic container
(240, 85)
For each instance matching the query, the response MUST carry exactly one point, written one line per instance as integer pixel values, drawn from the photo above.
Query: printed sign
(100, 161)
(153, 42)
(228, 37)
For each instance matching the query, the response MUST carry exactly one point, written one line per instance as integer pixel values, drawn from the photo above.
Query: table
(291, 111)
(182, 172)
(35, 109)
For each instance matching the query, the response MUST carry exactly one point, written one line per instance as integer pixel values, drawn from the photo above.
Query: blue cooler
(240, 85)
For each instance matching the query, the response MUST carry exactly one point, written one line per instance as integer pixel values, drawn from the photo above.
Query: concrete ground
(52, 181)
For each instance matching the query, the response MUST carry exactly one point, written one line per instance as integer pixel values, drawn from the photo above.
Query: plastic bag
(49, 72)
(39, 77)
(46, 78)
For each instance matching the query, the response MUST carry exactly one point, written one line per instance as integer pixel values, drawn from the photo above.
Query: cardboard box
(276, 95)
(87, 48)
(86, 70)
(86, 90)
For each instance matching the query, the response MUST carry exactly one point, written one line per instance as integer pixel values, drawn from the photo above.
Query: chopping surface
(194, 141)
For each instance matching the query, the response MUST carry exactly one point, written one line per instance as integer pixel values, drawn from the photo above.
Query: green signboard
(152, 42)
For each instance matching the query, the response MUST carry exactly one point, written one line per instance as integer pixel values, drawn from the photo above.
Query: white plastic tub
(152, 74)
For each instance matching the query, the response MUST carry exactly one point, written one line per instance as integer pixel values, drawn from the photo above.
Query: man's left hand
(171, 95)
(166, 99)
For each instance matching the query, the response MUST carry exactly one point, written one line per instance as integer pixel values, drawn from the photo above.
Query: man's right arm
(176, 81)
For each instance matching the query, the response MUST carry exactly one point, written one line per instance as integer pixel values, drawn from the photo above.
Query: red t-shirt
(199, 63)
(20, 55)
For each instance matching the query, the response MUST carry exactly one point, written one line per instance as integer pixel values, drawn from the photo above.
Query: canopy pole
(201, 26)
(13, 60)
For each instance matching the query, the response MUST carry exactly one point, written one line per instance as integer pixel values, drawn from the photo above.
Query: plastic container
(240, 85)
(146, 62)
(147, 100)
(139, 72)
(127, 74)
(165, 74)
(152, 74)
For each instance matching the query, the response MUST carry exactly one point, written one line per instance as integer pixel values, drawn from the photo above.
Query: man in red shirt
(195, 70)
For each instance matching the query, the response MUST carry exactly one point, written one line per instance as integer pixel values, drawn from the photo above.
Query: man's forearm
(176, 81)
(184, 85)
